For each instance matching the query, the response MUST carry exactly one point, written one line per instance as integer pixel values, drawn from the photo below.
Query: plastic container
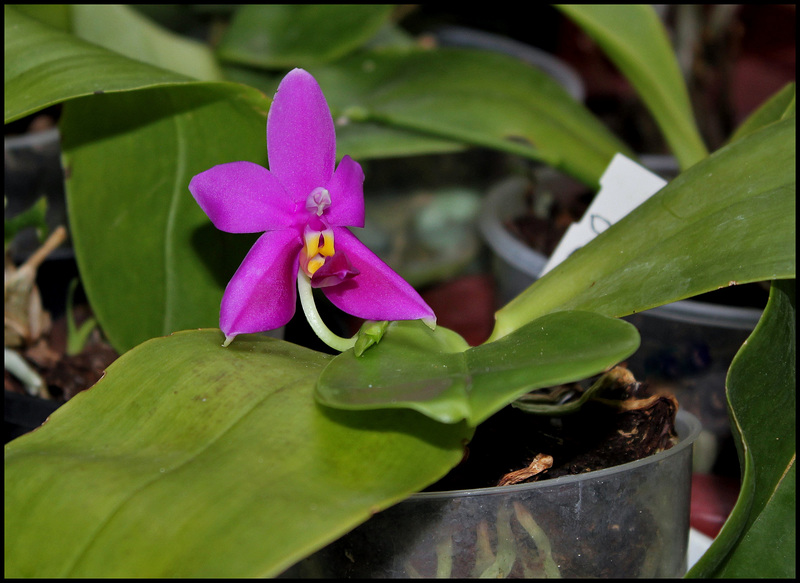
(32, 171)
(628, 521)
(687, 346)
(515, 264)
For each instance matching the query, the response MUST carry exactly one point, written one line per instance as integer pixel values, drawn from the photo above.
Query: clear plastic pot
(628, 521)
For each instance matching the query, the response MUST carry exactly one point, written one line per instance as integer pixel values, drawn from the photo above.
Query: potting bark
(623, 423)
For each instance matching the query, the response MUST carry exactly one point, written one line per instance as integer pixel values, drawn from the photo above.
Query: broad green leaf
(55, 15)
(436, 373)
(558, 348)
(279, 36)
(411, 367)
(635, 40)
(129, 158)
(123, 30)
(192, 460)
(781, 105)
(150, 260)
(362, 140)
(474, 97)
(759, 537)
(365, 140)
(679, 244)
(45, 66)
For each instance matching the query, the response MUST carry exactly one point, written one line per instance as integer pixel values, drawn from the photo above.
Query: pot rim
(498, 205)
(50, 136)
(688, 428)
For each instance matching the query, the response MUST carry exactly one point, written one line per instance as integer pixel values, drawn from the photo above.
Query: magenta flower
(303, 206)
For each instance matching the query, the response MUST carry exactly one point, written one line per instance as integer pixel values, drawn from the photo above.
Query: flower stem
(314, 319)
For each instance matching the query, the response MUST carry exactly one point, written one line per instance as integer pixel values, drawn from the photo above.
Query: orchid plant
(190, 458)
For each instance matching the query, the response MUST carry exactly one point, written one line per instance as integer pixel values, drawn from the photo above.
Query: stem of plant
(315, 320)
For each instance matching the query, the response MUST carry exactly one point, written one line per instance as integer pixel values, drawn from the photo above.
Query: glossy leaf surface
(633, 37)
(474, 97)
(150, 260)
(679, 244)
(123, 30)
(282, 36)
(192, 460)
(436, 373)
(45, 66)
(558, 348)
(411, 367)
(759, 537)
(406, 101)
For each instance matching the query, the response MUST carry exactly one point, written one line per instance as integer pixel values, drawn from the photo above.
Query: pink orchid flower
(303, 206)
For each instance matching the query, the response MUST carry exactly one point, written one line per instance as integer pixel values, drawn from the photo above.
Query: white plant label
(623, 186)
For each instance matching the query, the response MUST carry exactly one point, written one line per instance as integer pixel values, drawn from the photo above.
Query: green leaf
(473, 97)
(35, 216)
(299, 35)
(635, 40)
(123, 30)
(55, 15)
(678, 244)
(192, 460)
(150, 260)
(759, 537)
(44, 66)
(77, 336)
(411, 367)
(781, 105)
(558, 348)
(437, 374)
(129, 157)
(365, 140)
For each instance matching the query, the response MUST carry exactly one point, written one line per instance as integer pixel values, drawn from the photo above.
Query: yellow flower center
(318, 246)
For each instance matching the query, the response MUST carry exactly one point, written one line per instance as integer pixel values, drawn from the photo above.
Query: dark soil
(65, 375)
(542, 230)
(543, 224)
(624, 423)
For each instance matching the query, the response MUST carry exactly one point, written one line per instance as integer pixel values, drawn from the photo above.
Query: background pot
(422, 210)
(33, 171)
(687, 346)
(628, 521)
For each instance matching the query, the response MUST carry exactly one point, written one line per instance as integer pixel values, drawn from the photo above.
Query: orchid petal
(301, 140)
(347, 195)
(377, 293)
(262, 294)
(242, 197)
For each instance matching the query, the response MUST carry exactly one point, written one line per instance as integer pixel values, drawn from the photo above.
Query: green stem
(314, 319)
